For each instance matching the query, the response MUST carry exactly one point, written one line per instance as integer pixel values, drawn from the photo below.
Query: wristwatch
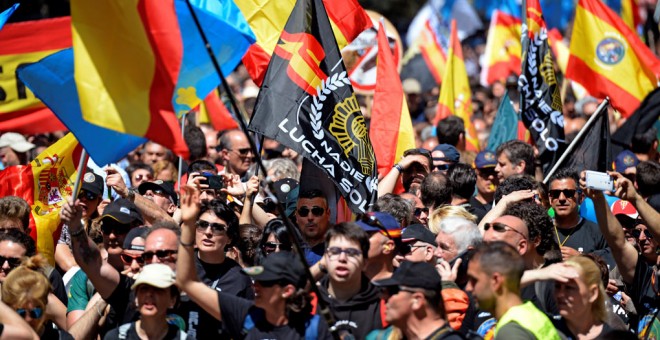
(131, 194)
(398, 167)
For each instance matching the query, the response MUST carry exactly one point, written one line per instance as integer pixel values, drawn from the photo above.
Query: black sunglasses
(162, 255)
(393, 290)
(371, 219)
(35, 313)
(568, 193)
(12, 261)
(419, 211)
(128, 259)
(316, 211)
(502, 228)
(217, 228)
(270, 247)
(88, 195)
(272, 283)
(487, 172)
(114, 228)
(243, 151)
(636, 233)
(441, 167)
(407, 248)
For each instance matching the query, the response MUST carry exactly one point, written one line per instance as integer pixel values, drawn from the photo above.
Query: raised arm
(149, 210)
(386, 184)
(500, 207)
(104, 277)
(626, 191)
(186, 273)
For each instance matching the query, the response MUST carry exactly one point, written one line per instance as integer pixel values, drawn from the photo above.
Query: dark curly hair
(539, 224)
(514, 183)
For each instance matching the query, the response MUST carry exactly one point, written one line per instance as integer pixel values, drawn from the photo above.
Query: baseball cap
(157, 275)
(418, 232)
(280, 266)
(166, 187)
(122, 211)
(450, 152)
(414, 275)
(624, 160)
(92, 182)
(625, 213)
(485, 159)
(370, 222)
(133, 234)
(16, 141)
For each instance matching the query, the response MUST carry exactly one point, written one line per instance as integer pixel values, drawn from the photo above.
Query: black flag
(307, 103)
(593, 151)
(640, 121)
(540, 102)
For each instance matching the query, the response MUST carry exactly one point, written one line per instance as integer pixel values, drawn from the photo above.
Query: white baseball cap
(157, 275)
(16, 141)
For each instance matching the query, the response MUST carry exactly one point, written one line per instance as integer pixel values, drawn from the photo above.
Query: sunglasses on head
(394, 290)
(34, 313)
(316, 211)
(217, 228)
(270, 247)
(636, 233)
(419, 211)
(162, 255)
(128, 259)
(243, 151)
(371, 219)
(88, 195)
(114, 228)
(272, 283)
(568, 193)
(502, 228)
(12, 261)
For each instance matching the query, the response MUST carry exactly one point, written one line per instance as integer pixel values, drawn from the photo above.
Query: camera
(599, 181)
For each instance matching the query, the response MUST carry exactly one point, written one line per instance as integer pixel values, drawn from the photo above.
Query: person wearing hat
(444, 156)
(627, 216)
(14, 149)
(162, 193)
(118, 218)
(487, 181)
(626, 163)
(131, 256)
(384, 239)
(155, 294)
(414, 303)
(418, 245)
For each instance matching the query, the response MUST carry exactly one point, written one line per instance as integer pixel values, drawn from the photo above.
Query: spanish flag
(391, 125)
(561, 52)
(503, 48)
(212, 110)
(141, 64)
(45, 184)
(628, 10)
(455, 96)
(608, 58)
(267, 19)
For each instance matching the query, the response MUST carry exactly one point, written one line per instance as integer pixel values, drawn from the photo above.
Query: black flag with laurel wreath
(307, 103)
(540, 99)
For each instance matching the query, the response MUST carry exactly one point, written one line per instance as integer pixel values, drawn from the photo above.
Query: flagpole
(601, 108)
(183, 134)
(323, 306)
(81, 169)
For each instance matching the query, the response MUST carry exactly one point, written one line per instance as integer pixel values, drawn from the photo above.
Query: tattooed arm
(104, 277)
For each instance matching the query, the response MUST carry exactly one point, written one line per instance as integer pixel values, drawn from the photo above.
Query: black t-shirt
(445, 333)
(51, 333)
(225, 277)
(645, 293)
(234, 311)
(560, 325)
(130, 333)
(586, 238)
(479, 209)
(59, 290)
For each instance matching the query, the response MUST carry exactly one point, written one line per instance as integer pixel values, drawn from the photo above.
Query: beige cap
(16, 141)
(157, 275)
(411, 86)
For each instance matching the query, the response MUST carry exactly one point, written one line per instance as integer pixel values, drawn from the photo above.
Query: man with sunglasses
(412, 169)
(418, 245)
(574, 234)
(415, 304)
(162, 193)
(384, 239)
(487, 182)
(313, 219)
(444, 156)
(234, 150)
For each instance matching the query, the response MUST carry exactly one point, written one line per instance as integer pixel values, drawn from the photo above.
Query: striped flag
(391, 125)
(503, 48)
(628, 10)
(455, 95)
(609, 59)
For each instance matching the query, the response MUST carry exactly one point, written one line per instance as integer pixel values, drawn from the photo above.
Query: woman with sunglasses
(281, 308)
(26, 290)
(275, 238)
(582, 302)
(131, 256)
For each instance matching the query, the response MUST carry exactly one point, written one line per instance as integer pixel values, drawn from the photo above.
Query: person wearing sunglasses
(444, 156)
(131, 256)
(26, 290)
(313, 219)
(275, 238)
(139, 173)
(118, 218)
(234, 150)
(487, 181)
(14, 246)
(412, 168)
(574, 234)
(418, 245)
(384, 241)
(162, 193)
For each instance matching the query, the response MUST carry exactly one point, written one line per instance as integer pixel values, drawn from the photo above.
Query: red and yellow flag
(503, 48)
(46, 184)
(432, 52)
(24, 43)
(267, 19)
(212, 110)
(391, 125)
(455, 96)
(608, 58)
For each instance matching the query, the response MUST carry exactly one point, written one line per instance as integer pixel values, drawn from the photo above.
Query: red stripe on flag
(33, 36)
(31, 121)
(220, 117)
(256, 62)
(349, 16)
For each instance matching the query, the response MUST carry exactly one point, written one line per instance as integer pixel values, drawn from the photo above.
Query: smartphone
(599, 181)
(214, 181)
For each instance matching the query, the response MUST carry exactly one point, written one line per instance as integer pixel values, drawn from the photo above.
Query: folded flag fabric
(503, 49)
(4, 16)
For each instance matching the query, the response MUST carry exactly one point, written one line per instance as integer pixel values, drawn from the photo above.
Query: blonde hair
(445, 211)
(27, 283)
(590, 274)
(165, 165)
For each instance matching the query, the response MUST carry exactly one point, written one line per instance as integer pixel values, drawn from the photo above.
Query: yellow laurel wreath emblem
(350, 130)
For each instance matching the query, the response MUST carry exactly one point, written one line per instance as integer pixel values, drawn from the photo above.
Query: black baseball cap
(92, 183)
(414, 275)
(133, 234)
(166, 187)
(281, 266)
(418, 232)
(122, 211)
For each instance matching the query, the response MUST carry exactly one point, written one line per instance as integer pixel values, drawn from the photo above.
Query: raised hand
(190, 205)
(113, 179)
(71, 214)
